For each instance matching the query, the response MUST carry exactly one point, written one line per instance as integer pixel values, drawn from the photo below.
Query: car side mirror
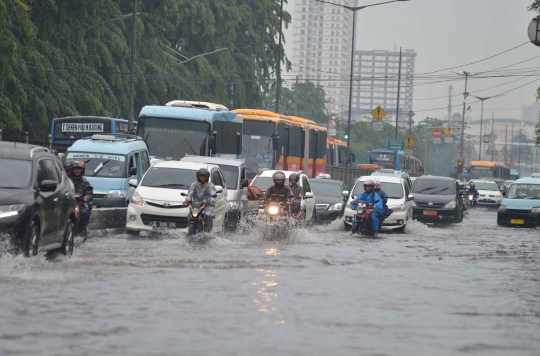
(410, 197)
(244, 183)
(219, 189)
(352, 157)
(133, 171)
(308, 195)
(345, 194)
(503, 193)
(133, 183)
(48, 185)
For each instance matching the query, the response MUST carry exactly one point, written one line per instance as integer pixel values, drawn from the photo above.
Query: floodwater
(466, 289)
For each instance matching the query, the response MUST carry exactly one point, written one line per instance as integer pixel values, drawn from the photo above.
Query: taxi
(521, 205)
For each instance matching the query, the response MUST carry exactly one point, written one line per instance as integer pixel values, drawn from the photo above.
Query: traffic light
(345, 136)
(460, 166)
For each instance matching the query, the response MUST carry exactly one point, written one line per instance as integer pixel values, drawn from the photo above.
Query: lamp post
(481, 120)
(354, 9)
(465, 95)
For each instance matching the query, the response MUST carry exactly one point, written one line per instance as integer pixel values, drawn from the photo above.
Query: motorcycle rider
(386, 210)
(75, 171)
(297, 191)
(472, 191)
(203, 191)
(370, 196)
(279, 192)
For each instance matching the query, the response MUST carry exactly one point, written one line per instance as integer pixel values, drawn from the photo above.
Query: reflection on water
(266, 301)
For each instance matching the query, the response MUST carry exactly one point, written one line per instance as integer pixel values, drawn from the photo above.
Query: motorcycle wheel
(355, 228)
(193, 229)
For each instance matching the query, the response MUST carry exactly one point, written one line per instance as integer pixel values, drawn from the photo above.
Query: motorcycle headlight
(471, 197)
(450, 205)
(7, 211)
(336, 206)
(117, 193)
(502, 209)
(535, 210)
(273, 210)
(195, 213)
(136, 199)
(232, 205)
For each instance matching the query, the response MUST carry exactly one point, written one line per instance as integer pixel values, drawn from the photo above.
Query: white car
(157, 202)
(489, 193)
(263, 181)
(399, 200)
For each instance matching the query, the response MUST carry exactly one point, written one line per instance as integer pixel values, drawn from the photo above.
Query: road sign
(378, 126)
(332, 124)
(502, 150)
(447, 131)
(332, 132)
(437, 133)
(408, 152)
(458, 149)
(449, 139)
(378, 113)
(437, 140)
(492, 152)
(396, 144)
(409, 142)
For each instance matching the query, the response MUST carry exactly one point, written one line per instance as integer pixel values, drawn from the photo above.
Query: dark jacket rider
(279, 192)
(75, 171)
(472, 190)
(203, 191)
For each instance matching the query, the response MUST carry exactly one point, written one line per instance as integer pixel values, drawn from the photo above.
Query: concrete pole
(278, 71)
(398, 92)
(132, 69)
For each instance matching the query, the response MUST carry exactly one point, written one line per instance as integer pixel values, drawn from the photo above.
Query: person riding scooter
(75, 171)
(204, 192)
(370, 196)
(297, 191)
(386, 210)
(279, 192)
(472, 191)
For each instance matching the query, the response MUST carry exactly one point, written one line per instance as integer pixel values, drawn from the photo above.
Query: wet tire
(192, 230)
(347, 226)
(31, 240)
(69, 239)
(225, 226)
(355, 228)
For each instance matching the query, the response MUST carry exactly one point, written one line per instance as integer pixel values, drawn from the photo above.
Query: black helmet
(471, 184)
(293, 176)
(203, 172)
(71, 164)
(279, 179)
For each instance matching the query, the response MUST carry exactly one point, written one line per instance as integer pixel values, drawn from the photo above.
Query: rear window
(433, 187)
(486, 186)
(171, 178)
(327, 189)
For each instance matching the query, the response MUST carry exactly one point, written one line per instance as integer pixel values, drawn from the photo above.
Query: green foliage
(65, 57)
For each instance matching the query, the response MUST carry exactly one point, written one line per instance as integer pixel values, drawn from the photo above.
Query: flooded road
(471, 289)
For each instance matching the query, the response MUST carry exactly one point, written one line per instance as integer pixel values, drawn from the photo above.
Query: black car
(437, 199)
(37, 202)
(329, 198)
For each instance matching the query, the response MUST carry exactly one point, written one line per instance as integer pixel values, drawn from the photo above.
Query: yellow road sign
(502, 150)
(409, 142)
(378, 113)
(447, 131)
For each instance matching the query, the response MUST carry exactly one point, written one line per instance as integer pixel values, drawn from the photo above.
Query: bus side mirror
(238, 143)
(352, 157)
(212, 143)
(275, 143)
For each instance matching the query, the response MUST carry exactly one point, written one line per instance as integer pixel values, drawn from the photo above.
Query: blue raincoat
(374, 199)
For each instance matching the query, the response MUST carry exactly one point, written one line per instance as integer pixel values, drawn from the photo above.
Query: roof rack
(113, 137)
(197, 105)
(35, 149)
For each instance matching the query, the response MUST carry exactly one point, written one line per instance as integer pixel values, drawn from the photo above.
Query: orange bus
(336, 152)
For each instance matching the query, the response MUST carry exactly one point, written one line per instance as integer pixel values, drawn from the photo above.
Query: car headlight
(136, 199)
(232, 205)
(7, 211)
(535, 210)
(502, 209)
(117, 193)
(397, 207)
(336, 206)
(450, 205)
(273, 210)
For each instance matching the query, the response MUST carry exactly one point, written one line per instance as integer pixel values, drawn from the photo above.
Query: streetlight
(481, 119)
(354, 10)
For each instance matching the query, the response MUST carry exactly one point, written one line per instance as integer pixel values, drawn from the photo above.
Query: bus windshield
(257, 145)
(479, 172)
(383, 159)
(172, 139)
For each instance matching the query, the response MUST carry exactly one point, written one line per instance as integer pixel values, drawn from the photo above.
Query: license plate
(430, 212)
(164, 225)
(517, 221)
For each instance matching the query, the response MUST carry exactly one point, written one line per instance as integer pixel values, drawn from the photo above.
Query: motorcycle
(278, 216)
(196, 218)
(472, 201)
(362, 218)
(82, 218)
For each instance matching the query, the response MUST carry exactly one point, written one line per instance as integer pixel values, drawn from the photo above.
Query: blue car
(521, 205)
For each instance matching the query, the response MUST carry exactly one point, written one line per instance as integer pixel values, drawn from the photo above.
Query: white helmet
(369, 182)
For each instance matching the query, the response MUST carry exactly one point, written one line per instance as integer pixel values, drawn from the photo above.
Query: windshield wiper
(98, 168)
(185, 139)
(423, 190)
(440, 191)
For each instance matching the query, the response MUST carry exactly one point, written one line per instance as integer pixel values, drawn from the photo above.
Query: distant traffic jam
(202, 170)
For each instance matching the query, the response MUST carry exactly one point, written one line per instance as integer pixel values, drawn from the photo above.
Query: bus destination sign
(79, 127)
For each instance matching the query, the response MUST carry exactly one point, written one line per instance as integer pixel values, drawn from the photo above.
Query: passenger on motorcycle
(75, 171)
(386, 210)
(472, 191)
(279, 192)
(202, 191)
(370, 196)
(297, 191)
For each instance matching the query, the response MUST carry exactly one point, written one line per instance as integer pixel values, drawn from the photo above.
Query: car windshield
(17, 176)
(231, 175)
(433, 187)
(486, 186)
(393, 190)
(171, 178)
(524, 191)
(263, 183)
(101, 164)
(329, 189)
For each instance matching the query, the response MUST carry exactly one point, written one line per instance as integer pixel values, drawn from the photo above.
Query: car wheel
(31, 240)
(400, 229)
(347, 226)
(225, 225)
(69, 239)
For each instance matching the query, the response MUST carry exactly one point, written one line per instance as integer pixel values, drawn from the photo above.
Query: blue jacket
(474, 192)
(384, 197)
(373, 198)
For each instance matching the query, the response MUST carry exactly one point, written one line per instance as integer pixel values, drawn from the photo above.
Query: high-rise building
(376, 80)
(322, 36)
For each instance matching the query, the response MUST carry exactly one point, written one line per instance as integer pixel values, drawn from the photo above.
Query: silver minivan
(234, 171)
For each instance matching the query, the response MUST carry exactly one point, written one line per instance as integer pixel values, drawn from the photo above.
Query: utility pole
(411, 114)
(519, 152)
(465, 94)
(278, 71)
(492, 133)
(132, 68)
(351, 91)
(505, 142)
(296, 97)
(512, 146)
(398, 91)
(450, 95)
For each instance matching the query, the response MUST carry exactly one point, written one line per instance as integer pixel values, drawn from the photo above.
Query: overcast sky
(448, 33)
